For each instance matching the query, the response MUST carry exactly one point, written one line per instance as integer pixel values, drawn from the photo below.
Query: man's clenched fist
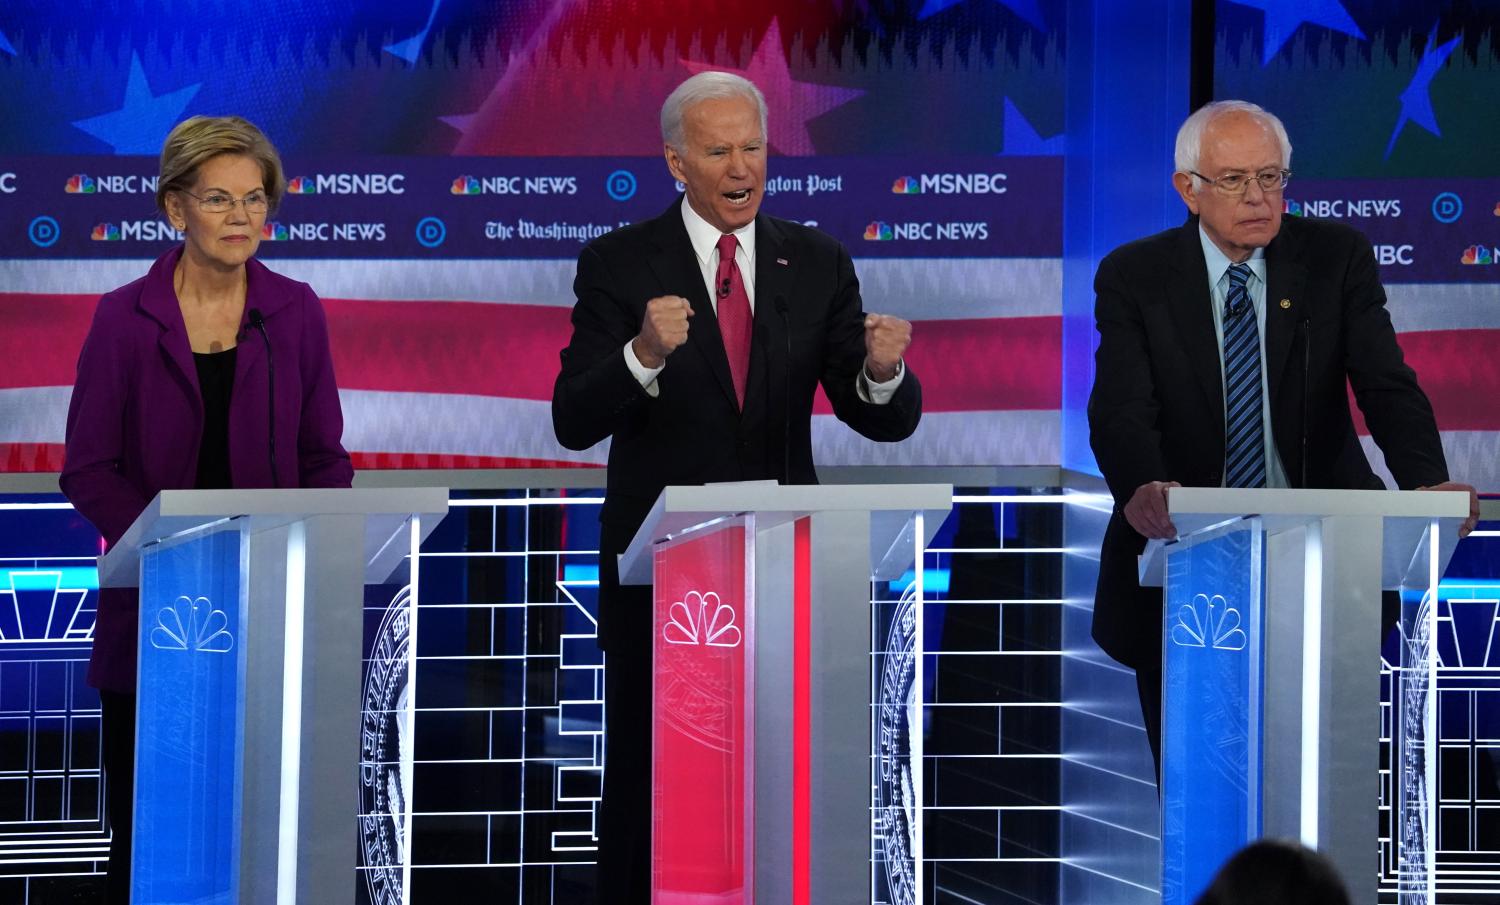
(663, 329)
(886, 339)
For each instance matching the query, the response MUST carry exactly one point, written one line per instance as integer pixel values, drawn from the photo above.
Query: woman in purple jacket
(210, 372)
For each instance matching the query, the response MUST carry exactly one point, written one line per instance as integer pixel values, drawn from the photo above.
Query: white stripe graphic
(926, 288)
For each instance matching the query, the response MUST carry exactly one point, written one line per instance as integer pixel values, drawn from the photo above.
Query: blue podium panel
(1211, 705)
(187, 812)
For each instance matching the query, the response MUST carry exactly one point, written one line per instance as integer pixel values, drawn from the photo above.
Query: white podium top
(682, 508)
(175, 511)
(1406, 513)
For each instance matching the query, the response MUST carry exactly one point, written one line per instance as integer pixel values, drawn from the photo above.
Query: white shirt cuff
(646, 376)
(879, 393)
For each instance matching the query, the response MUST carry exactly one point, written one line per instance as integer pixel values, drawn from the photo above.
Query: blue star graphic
(1416, 100)
(1283, 17)
(1022, 138)
(1030, 10)
(5, 46)
(409, 48)
(143, 120)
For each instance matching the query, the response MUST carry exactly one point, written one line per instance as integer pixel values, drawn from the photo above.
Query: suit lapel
(676, 268)
(159, 301)
(775, 270)
(1193, 312)
(1286, 275)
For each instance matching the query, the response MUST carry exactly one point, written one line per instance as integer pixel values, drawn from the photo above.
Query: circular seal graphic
(1447, 207)
(898, 716)
(385, 754)
(44, 232)
(431, 232)
(621, 185)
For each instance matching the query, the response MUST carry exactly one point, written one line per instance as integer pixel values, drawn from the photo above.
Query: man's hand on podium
(1473, 519)
(1147, 511)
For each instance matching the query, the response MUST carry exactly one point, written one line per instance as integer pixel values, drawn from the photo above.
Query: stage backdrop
(449, 159)
(1390, 107)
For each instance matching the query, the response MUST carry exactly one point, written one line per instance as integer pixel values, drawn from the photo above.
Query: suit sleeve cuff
(879, 393)
(644, 375)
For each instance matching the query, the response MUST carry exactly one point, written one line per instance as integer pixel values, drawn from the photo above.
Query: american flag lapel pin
(781, 261)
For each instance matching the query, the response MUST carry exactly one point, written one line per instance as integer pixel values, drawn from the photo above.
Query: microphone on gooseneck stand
(259, 323)
(1306, 377)
(786, 408)
(724, 288)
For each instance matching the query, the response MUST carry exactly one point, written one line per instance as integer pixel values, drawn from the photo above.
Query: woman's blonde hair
(198, 139)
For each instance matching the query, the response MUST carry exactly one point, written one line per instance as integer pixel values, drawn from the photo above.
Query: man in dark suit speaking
(1225, 349)
(699, 339)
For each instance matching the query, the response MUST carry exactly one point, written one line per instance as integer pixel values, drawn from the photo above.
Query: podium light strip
(918, 737)
(1430, 738)
(1312, 674)
(408, 768)
(291, 715)
(802, 712)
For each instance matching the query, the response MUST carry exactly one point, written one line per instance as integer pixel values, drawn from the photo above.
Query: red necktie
(734, 315)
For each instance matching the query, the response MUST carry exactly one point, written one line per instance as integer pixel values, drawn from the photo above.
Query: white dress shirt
(704, 237)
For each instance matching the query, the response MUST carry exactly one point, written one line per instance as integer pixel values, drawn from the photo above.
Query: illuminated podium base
(1271, 676)
(761, 705)
(247, 719)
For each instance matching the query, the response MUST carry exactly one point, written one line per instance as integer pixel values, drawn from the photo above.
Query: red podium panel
(702, 723)
(761, 705)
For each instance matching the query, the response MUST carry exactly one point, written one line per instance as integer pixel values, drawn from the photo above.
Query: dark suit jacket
(1157, 411)
(693, 431)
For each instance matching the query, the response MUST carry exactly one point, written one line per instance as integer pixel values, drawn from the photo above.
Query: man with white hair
(699, 339)
(1225, 346)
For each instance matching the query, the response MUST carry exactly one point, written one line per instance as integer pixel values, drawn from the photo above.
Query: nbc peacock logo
(192, 624)
(1479, 254)
(81, 184)
(302, 185)
(1209, 622)
(702, 619)
(906, 185)
(464, 185)
(879, 231)
(273, 232)
(1291, 208)
(105, 232)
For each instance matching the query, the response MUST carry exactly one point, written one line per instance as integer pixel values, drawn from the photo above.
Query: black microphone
(786, 410)
(259, 323)
(724, 288)
(1306, 378)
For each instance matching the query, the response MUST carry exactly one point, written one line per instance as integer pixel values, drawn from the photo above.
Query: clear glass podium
(1271, 676)
(761, 711)
(247, 723)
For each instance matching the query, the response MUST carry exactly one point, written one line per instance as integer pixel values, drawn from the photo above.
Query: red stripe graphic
(48, 457)
(802, 712)
(40, 336)
(510, 350)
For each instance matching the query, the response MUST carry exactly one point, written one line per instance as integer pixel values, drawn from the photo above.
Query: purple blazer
(136, 419)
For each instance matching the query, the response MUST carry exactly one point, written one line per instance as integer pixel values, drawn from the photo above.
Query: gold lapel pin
(1286, 303)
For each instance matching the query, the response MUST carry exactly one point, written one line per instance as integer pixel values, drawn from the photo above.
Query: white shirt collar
(1219, 263)
(705, 236)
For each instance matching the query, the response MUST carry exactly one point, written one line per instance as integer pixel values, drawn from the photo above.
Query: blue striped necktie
(1244, 438)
